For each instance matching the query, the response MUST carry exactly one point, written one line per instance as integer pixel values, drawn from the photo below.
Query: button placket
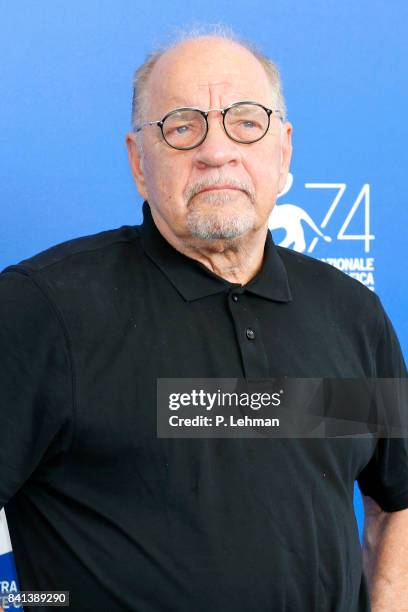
(254, 359)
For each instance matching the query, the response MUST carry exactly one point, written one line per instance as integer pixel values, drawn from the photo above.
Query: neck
(237, 260)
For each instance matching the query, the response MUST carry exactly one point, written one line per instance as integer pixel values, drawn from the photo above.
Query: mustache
(204, 183)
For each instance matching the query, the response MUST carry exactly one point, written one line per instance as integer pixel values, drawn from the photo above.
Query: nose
(217, 149)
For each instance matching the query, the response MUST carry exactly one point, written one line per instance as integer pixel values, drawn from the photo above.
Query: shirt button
(235, 297)
(250, 334)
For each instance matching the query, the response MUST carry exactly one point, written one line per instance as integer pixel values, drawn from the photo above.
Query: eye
(248, 124)
(181, 129)
(242, 123)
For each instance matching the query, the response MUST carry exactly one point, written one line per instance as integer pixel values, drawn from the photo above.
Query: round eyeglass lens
(246, 122)
(184, 129)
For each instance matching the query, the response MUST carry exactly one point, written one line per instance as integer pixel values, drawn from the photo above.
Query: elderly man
(97, 504)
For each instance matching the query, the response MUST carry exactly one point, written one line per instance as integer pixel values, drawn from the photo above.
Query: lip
(219, 188)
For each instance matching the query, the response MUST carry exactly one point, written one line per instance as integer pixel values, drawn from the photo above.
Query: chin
(213, 226)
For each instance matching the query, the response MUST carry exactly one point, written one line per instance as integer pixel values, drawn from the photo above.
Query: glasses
(187, 128)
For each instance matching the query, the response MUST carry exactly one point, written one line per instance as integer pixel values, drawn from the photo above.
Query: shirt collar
(193, 280)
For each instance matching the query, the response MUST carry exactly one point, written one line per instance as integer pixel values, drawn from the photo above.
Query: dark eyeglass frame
(223, 111)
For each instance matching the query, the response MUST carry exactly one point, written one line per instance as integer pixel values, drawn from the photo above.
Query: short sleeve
(385, 477)
(35, 382)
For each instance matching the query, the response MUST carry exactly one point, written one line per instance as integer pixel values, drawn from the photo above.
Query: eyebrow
(176, 103)
(179, 101)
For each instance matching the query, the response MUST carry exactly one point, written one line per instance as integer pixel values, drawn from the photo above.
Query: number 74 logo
(290, 217)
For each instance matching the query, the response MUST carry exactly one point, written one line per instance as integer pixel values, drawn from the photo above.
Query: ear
(136, 163)
(286, 154)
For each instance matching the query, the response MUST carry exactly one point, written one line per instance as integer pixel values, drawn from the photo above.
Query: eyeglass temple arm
(147, 123)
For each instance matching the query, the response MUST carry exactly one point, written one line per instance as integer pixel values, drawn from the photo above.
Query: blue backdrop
(65, 81)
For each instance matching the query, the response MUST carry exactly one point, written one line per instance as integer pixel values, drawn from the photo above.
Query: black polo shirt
(100, 506)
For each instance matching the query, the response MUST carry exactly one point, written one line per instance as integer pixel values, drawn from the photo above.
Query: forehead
(205, 72)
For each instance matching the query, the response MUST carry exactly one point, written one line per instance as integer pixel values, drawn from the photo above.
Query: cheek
(166, 178)
(265, 172)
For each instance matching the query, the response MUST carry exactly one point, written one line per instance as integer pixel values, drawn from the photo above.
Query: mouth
(219, 188)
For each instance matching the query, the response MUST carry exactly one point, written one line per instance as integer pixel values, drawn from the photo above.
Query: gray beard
(209, 226)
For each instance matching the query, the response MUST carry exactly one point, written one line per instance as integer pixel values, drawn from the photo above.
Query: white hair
(142, 74)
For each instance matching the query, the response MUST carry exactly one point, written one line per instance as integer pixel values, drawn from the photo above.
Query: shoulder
(81, 259)
(321, 291)
(78, 250)
(322, 280)
(72, 270)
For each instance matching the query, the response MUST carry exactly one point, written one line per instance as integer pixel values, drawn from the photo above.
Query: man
(97, 504)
